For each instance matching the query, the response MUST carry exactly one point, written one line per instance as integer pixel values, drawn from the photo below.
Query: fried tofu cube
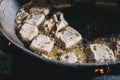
(69, 58)
(22, 14)
(40, 9)
(102, 53)
(35, 19)
(48, 25)
(60, 25)
(60, 21)
(42, 43)
(118, 47)
(28, 32)
(54, 24)
(68, 37)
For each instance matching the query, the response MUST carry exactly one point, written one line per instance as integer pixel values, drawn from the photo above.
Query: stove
(17, 65)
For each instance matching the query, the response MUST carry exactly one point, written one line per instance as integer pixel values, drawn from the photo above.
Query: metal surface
(7, 16)
(5, 64)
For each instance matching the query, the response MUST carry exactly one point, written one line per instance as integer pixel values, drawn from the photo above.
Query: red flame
(102, 70)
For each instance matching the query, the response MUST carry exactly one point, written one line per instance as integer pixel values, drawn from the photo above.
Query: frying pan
(9, 8)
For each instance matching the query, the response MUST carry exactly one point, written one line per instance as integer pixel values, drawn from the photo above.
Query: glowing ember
(102, 71)
(96, 70)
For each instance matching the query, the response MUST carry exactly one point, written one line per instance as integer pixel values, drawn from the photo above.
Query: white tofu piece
(69, 58)
(60, 25)
(102, 53)
(22, 14)
(118, 47)
(40, 9)
(60, 21)
(68, 37)
(48, 25)
(35, 19)
(28, 32)
(42, 43)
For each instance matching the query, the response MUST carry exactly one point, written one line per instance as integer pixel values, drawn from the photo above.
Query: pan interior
(95, 24)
